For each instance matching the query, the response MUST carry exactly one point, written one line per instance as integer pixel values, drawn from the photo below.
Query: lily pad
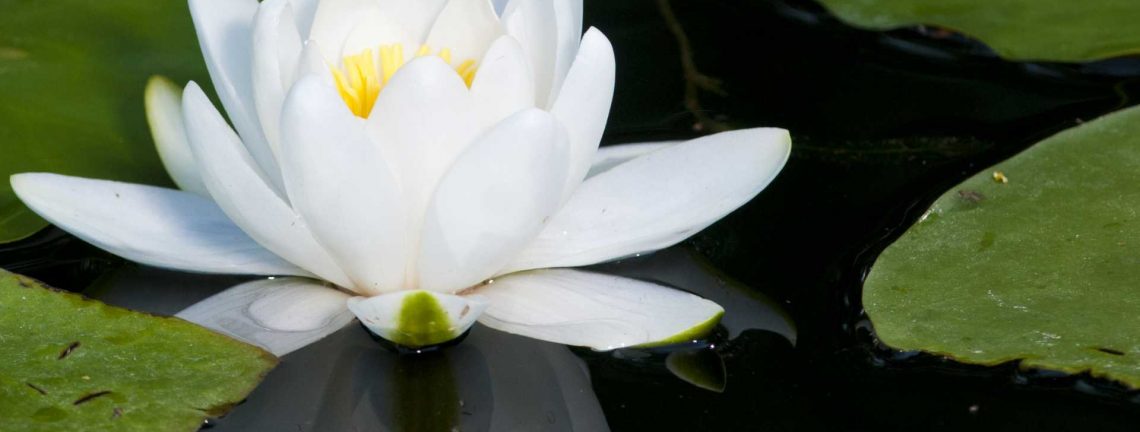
(1036, 259)
(70, 363)
(1045, 30)
(72, 74)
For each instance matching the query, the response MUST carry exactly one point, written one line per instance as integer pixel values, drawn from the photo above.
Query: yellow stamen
(466, 70)
(360, 82)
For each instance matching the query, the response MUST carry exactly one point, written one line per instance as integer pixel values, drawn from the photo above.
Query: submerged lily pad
(1048, 30)
(72, 74)
(1036, 259)
(70, 363)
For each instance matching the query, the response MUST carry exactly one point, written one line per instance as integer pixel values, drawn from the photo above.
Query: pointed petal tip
(421, 73)
(163, 101)
(694, 333)
(30, 186)
(780, 137)
(597, 42)
(24, 184)
(160, 95)
(193, 96)
(773, 144)
(18, 180)
(428, 66)
(307, 90)
(158, 83)
(595, 32)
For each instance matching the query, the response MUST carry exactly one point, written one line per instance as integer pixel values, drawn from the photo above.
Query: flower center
(361, 81)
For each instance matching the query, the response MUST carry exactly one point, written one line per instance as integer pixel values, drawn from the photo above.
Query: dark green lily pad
(72, 74)
(71, 363)
(1044, 30)
(1044, 268)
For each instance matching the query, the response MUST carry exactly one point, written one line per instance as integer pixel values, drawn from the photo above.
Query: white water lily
(431, 157)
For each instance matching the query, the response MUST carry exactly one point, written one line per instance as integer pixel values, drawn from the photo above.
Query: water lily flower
(433, 158)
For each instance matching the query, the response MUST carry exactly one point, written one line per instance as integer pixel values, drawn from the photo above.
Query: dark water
(882, 124)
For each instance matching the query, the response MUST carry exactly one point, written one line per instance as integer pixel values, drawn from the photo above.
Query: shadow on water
(882, 123)
(492, 380)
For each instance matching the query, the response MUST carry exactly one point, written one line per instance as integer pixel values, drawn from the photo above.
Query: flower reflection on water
(491, 380)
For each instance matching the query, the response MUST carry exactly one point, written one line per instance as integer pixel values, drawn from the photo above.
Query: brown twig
(89, 396)
(67, 351)
(695, 81)
(37, 388)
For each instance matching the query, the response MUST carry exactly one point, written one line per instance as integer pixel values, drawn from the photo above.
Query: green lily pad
(72, 74)
(1044, 30)
(1043, 268)
(70, 363)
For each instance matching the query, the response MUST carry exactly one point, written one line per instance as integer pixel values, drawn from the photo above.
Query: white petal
(225, 32)
(584, 103)
(332, 23)
(417, 318)
(745, 307)
(493, 201)
(155, 226)
(346, 27)
(415, 16)
(375, 27)
(164, 115)
(568, 14)
(466, 27)
(422, 120)
(533, 24)
(312, 62)
(659, 199)
(276, 52)
(342, 186)
(504, 84)
(303, 13)
(242, 192)
(280, 315)
(594, 310)
(611, 156)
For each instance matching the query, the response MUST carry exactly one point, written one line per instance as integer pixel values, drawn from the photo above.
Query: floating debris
(88, 397)
(67, 351)
(971, 196)
(37, 388)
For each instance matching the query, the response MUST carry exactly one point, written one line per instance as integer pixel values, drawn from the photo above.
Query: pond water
(882, 124)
